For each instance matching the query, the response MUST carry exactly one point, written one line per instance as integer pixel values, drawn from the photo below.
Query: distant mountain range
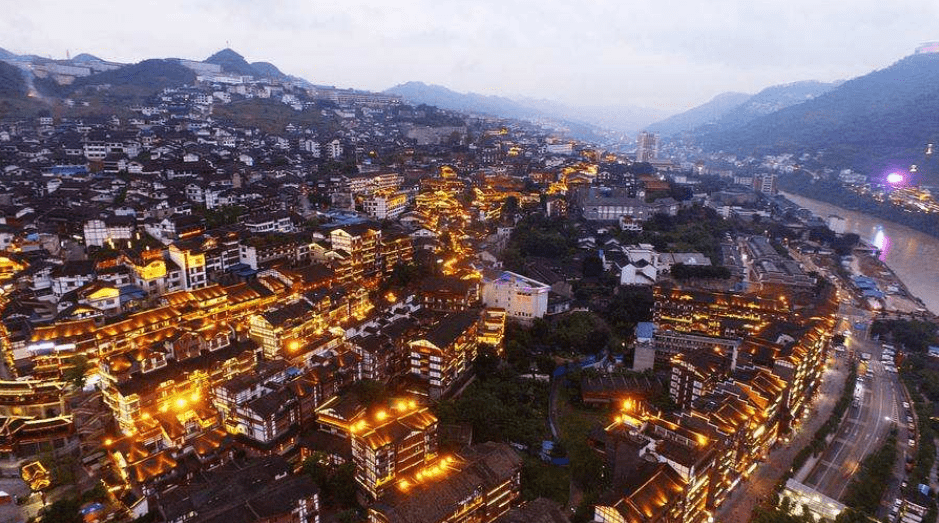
(704, 114)
(618, 118)
(731, 110)
(879, 120)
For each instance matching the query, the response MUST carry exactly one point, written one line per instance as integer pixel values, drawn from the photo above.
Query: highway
(866, 425)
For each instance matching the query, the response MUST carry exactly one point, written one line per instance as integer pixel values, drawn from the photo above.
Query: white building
(522, 298)
(333, 149)
(836, 224)
(98, 232)
(385, 205)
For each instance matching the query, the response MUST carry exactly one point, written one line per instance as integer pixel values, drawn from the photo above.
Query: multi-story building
(476, 486)
(385, 205)
(444, 353)
(101, 231)
(362, 244)
(523, 299)
(391, 443)
(647, 147)
(190, 258)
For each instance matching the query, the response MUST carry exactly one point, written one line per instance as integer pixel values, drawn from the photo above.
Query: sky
(664, 54)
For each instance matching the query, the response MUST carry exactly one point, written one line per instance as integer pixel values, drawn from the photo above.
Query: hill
(438, 96)
(12, 83)
(580, 121)
(266, 70)
(6, 55)
(148, 76)
(231, 62)
(85, 57)
(770, 100)
(703, 114)
(877, 120)
(271, 116)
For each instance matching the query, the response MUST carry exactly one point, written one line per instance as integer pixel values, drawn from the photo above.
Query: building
(361, 243)
(765, 184)
(391, 443)
(385, 205)
(477, 486)
(522, 298)
(258, 491)
(446, 352)
(647, 147)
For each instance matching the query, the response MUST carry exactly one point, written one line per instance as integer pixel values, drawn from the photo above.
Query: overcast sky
(667, 54)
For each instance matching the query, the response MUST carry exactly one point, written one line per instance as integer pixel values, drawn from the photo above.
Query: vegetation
(75, 372)
(271, 116)
(337, 484)
(869, 483)
(66, 510)
(11, 81)
(500, 405)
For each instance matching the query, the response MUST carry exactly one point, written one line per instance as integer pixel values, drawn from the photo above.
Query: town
(253, 300)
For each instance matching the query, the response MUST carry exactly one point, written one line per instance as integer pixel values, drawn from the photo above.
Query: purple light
(894, 178)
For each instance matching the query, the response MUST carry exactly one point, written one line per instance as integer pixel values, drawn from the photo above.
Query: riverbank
(906, 256)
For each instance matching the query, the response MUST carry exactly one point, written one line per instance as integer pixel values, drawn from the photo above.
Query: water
(913, 256)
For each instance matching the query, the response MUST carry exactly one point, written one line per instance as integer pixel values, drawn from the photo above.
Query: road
(740, 504)
(865, 426)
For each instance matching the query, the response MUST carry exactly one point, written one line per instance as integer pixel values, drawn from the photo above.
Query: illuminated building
(264, 406)
(696, 373)
(391, 443)
(446, 351)
(172, 375)
(385, 204)
(719, 314)
(191, 261)
(765, 183)
(448, 293)
(492, 328)
(362, 243)
(477, 486)
(396, 248)
(522, 298)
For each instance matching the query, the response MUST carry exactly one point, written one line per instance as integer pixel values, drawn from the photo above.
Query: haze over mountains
(884, 116)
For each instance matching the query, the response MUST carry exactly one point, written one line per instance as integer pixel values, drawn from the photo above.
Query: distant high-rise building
(647, 147)
(765, 183)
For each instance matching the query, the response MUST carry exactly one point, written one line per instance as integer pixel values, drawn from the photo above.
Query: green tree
(75, 372)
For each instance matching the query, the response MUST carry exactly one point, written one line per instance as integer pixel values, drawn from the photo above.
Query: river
(913, 256)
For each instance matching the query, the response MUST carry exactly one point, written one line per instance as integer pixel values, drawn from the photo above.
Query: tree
(510, 206)
(592, 266)
(75, 373)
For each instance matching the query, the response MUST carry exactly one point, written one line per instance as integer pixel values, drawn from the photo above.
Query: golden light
(145, 415)
(402, 406)
(381, 415)
(195, 396)
(412, 404)
(108, 442)
(293, 345)
(181, 403)
(164, 407)
(404, 484)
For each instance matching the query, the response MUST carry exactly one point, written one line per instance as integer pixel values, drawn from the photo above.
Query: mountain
(266, 70)
(703, 114)
(421, 93)
(149, 76)
(622, 118)
(6, 55)
(85, 57)
(231, 62)
(12, 83)
(772, 99)
(882, 118)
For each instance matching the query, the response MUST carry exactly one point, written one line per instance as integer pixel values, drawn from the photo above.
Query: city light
(895, 178)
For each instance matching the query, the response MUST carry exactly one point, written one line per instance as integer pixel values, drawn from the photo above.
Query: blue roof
(645, 329)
